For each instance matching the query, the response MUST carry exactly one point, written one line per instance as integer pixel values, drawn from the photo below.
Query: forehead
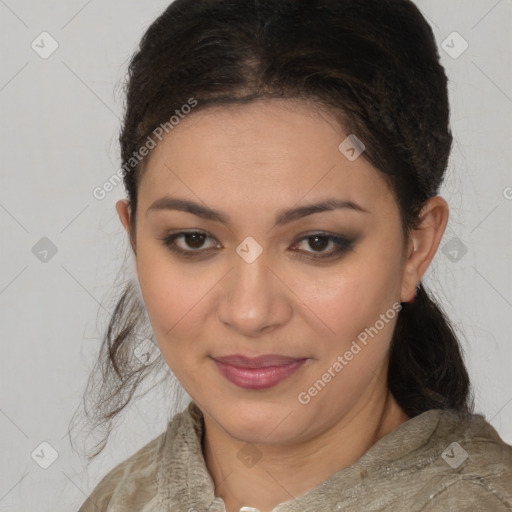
(264, 151)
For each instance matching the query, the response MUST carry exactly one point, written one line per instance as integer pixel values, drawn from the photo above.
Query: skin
(249, 162)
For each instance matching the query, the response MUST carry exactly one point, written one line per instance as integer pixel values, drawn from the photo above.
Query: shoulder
(471, 468)
(135, 483)
(469, 494)
(135, 473)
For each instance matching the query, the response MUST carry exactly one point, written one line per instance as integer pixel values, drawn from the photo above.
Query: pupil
(318, 245)
(197, 240)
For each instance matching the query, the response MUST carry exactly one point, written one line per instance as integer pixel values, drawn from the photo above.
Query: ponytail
(426, 366)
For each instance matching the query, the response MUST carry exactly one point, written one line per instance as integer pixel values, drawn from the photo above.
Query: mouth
(260, 372)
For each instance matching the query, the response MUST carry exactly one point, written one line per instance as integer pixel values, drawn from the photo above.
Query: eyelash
(343, 244)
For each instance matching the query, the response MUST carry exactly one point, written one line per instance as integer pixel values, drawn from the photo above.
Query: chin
(259, 422)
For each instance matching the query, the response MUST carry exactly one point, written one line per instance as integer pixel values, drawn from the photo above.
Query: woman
(282, 161)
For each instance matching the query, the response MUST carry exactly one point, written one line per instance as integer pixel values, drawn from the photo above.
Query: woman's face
(256, 281)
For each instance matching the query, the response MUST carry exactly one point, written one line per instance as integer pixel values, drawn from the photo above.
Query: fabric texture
(440, 460)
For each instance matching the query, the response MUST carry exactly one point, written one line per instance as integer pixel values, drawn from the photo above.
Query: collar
(184, 482)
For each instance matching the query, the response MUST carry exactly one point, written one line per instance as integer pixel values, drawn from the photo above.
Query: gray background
(60, 121)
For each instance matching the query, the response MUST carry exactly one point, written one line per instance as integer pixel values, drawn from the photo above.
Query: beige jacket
(437, 461)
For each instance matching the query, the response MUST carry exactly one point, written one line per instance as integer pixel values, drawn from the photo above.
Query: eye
(320, 241)
(191, 242)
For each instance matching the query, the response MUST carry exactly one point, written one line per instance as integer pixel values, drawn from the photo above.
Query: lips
(257, 362)
(257, 372)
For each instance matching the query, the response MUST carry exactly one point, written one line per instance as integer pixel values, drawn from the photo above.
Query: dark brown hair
(374, 65)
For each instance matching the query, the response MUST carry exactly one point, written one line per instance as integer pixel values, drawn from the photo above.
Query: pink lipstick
(257, 372)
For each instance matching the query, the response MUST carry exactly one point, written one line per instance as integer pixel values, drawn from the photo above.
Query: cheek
(357, 306)
(353, 303)
(174, 296)
(349, 296)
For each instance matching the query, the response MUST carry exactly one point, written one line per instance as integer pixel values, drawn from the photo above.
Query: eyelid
(340, 242)
(180, 234)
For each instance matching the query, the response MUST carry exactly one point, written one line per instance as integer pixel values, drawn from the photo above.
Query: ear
(124, 212)
(423, 244)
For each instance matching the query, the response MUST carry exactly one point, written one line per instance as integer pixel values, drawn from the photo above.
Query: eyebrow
(283, 216)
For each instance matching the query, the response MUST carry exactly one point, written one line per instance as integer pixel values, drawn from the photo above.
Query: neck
(285, 472)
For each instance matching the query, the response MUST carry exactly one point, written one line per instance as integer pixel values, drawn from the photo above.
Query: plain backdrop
(60, 118)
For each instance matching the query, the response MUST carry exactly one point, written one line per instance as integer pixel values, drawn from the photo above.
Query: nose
(253, 300)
